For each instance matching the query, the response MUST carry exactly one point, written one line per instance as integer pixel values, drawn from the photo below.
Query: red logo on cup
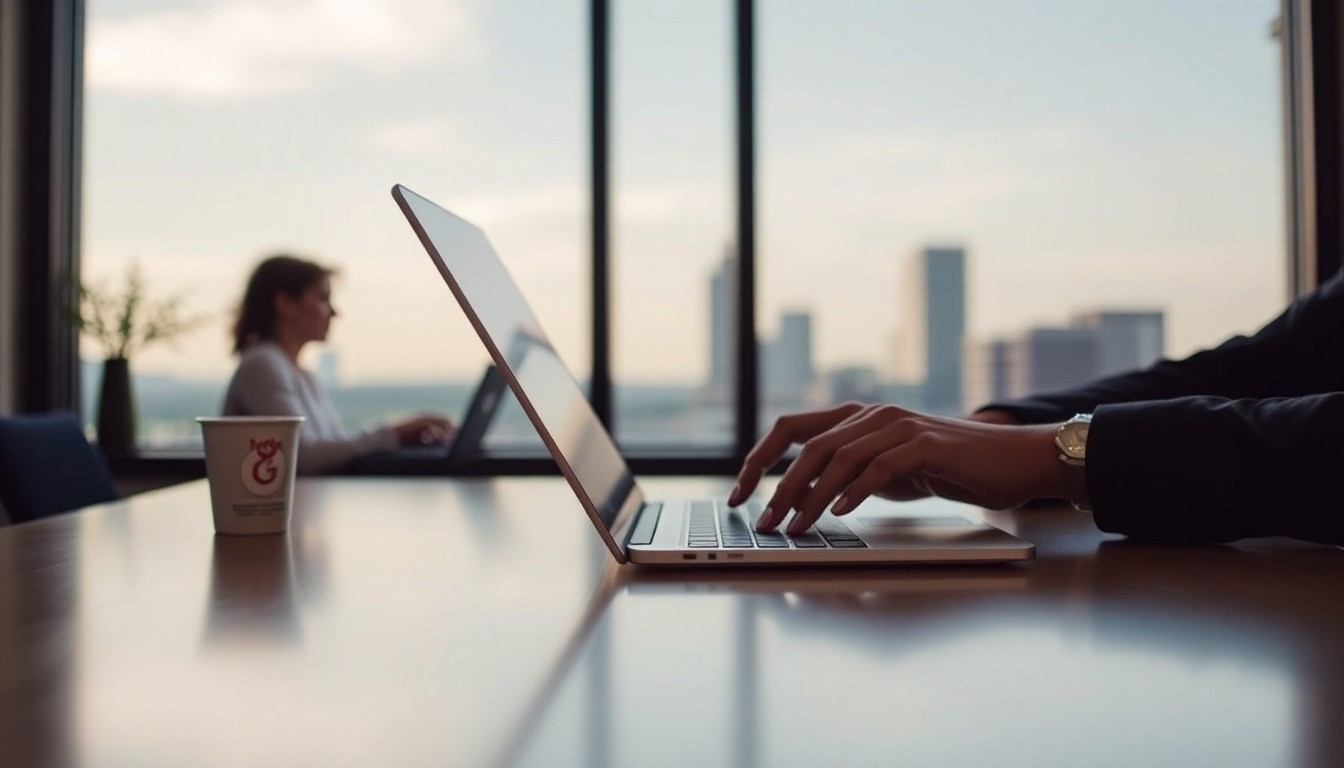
(261, 468)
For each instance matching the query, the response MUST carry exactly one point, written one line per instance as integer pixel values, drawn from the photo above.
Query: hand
(426, 429)
(854, 451)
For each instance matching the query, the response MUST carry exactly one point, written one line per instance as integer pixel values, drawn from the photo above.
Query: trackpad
(913, 530)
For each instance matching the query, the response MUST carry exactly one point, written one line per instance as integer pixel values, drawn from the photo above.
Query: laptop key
(837, 534)
(773, 540)
(808, 540)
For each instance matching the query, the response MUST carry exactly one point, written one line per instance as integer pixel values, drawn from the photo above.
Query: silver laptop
(466, 447)
(683, 532)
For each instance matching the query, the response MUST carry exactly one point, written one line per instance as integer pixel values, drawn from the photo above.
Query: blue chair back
(47, 466)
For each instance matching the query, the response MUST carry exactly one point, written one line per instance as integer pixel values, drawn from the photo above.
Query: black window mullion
(747, 400)
(44, 210)
(1327, 75)
(600, 391)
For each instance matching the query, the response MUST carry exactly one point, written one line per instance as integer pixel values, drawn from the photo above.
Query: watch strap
(1075, 483)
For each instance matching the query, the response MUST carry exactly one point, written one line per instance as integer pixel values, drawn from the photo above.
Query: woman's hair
(273, 276)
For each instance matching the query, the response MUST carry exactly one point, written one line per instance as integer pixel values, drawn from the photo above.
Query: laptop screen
(540, 380)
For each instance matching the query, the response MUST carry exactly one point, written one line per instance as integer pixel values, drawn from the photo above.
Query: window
(672, 224)
(955, 200)
(216, 133)
(962, 201)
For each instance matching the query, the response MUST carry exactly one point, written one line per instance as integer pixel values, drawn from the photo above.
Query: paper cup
(250, 462)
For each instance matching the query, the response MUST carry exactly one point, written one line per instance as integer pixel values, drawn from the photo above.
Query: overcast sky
(1087, 154)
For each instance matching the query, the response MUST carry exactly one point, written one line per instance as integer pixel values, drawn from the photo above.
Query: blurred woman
(286, 305)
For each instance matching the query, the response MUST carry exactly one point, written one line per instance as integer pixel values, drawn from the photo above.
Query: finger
(844, 466)
(892, 465)
(786, 431)
(802, 521)
(854, 438)
(761, 457)
(769, 518)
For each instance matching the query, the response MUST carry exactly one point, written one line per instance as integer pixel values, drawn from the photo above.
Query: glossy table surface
(478, 622)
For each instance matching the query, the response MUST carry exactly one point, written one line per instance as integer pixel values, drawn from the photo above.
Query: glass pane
(673, 183)
(217, 133)
(962, 200)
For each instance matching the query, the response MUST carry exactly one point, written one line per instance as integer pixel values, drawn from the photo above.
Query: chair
(47, 467)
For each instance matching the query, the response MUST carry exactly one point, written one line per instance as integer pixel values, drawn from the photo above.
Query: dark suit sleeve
(1246, 439)
(1212, 469)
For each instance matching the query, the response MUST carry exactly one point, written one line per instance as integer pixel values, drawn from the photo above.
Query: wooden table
(408, 622)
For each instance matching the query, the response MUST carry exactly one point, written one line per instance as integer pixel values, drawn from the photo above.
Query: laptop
(681, 532)
(465, 447)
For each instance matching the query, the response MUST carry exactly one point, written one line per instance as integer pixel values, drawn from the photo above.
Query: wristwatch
(1071, 440)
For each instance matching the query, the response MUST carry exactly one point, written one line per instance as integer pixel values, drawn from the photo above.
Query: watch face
(1072, 439)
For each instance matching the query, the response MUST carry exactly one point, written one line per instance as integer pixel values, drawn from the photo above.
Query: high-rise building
(934, 325)
(721, 325)
(787, 360)
(984, 373)
(1126, 340)
(859, 383)
(1046, 359)
(1095, 344)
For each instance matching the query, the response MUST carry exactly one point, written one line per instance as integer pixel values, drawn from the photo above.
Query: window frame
(40, 213)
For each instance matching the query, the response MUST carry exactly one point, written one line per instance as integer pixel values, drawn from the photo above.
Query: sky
(1087, 154)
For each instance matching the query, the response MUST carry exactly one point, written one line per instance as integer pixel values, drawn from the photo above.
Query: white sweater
(267, 383)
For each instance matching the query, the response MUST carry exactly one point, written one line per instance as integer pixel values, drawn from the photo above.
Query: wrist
(993, 416)
(1050, 476)
(1071, 444)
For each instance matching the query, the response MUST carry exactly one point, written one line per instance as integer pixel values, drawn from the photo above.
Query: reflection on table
(1124, 655)
(481, 622)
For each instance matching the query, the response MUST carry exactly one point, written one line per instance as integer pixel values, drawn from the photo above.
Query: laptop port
(688, 557)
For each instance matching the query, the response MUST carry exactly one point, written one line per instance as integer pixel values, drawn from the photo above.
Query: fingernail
(841, 505)
(733, 499)
(766, 521)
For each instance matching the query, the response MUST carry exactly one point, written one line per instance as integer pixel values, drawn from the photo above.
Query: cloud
(932, 178)
(249, 48)
(416, 137)
(534, 206)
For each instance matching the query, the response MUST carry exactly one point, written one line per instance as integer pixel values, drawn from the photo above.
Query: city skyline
(1088, 156)
(1093, 343)
(936, 367)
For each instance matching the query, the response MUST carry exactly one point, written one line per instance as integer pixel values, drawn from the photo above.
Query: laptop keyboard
(715, 525)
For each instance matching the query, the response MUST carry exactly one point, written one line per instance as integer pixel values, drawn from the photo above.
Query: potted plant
(123, 320)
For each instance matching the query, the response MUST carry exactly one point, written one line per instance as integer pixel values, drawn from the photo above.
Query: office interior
(609, 650)
(41, 208)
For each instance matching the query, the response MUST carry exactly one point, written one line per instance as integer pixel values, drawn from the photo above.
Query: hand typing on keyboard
(854, 451)
(733, 532)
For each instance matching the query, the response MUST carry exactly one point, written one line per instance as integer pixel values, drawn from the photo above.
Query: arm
(1195, 469)
(853, 451)
(266, 383)
(1215, 469)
